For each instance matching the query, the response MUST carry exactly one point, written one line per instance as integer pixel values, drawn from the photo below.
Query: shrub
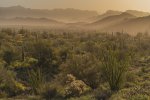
(117, 97)
(75, 87)
(8, 84)
(35, 80)
(8, 56)
(86, 97)
(47, 62)
(84, 67)
(140, 97)
(103, 92)
(22, 67)
(53, 91)
(49, 93)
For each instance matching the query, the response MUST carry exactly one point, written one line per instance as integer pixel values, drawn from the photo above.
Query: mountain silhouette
(68, 15)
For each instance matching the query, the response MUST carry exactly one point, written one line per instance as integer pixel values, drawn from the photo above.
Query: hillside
(104, 15)
(111, 20)
(29, 21)
(138, 13)
(128, 22)
(141, 24)
(68, 15)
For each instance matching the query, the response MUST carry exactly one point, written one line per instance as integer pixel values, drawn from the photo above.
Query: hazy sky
(99, 5)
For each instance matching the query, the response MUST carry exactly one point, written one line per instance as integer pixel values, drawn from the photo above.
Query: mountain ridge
(68, 14)
(130, 20)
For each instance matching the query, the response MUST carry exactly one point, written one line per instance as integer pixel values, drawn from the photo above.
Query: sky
(98, 5)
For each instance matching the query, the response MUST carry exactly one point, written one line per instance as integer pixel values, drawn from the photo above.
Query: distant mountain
(111, 20)
(141, 24)
(138, 13)
(106, 14)
(29, 21)
(126, 22)
(130, 21)
(68, 15)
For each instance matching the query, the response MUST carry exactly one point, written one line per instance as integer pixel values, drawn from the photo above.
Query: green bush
(49, 93)
(35, 80)
(103, 92)
(8, 56)
(8, 85)
(45, 56)
(84, 67)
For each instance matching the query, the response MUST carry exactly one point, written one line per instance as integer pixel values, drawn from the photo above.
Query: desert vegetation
(45, 65)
